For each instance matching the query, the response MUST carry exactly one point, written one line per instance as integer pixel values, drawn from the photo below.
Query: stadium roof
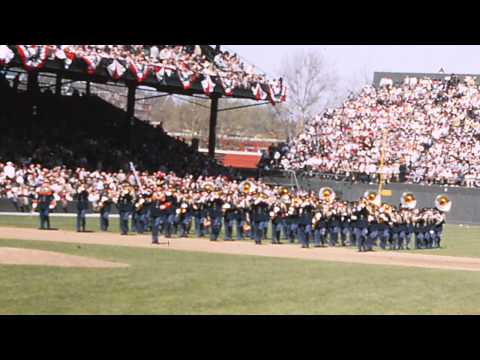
(78, 71)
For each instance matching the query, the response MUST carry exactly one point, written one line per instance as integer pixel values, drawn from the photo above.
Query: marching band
(252, 210)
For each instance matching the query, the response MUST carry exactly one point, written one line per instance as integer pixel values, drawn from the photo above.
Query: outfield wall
(466, 202)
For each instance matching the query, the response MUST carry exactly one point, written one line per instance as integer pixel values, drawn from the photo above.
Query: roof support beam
(212, 136)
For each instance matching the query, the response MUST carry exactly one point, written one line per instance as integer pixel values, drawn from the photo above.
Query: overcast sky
(355, 62)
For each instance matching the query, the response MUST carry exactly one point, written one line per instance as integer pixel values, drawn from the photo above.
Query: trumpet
(327, 194)
(443, 203)
(408, 201)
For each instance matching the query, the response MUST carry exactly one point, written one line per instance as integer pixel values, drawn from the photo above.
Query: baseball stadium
(184, 180)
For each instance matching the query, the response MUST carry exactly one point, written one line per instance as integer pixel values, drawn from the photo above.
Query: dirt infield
(248, 248)
(14, 256)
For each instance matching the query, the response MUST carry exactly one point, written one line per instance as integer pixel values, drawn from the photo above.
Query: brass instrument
(372, 197)
(139, 204)
(443, 203)
(247, 187)
(208, 186)
(206, 222)
(327, 194)
(408, 201)
(283, 191)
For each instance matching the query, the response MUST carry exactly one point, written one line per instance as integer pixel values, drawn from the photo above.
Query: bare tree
(311, 82)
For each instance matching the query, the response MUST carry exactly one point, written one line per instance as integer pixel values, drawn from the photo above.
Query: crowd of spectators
(430, 130)
(19, 183)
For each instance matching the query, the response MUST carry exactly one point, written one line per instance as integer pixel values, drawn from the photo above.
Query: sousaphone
(408, 201)
(443, 203)
(327, 194)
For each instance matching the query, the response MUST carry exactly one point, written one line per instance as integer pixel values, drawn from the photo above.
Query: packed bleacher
(189, 62)
(430, 129)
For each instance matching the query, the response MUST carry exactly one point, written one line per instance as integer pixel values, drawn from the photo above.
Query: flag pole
(382, 165)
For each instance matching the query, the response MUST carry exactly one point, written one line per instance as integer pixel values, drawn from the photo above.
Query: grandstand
(198, 70)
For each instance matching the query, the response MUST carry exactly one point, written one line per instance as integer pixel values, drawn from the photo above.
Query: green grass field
(175, 282)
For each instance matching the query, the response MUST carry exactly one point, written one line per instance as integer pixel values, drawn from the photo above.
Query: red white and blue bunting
(33, 57)
(140, 71)
(259, 93)
(228, 85)
(208, 85)
(186, 78)
(115, 69)
(92, 62)
(6, 55)
(277, 92)
(65, 54)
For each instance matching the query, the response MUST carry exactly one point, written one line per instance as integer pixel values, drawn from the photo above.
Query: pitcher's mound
(14, 256)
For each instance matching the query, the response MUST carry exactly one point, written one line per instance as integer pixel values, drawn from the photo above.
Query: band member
(419, 229)
(198, 213)
(439, 219)
(215, 215)
(242, 218)
(260, 217)
(334, 226)
(184, 215)
(139, 219)
(159, 212)
(276, 215)
(292, 222)
(305, 223)
(82, 206)
(105, 207)
(361, 228)
(44, 202)
(320, 233)
(170, 226)
(373, 232)
(229, 217)
(125, 207)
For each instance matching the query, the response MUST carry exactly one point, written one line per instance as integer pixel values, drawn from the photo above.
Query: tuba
(408, 201)
(327, 194)
(443, 203)
(247, 187)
